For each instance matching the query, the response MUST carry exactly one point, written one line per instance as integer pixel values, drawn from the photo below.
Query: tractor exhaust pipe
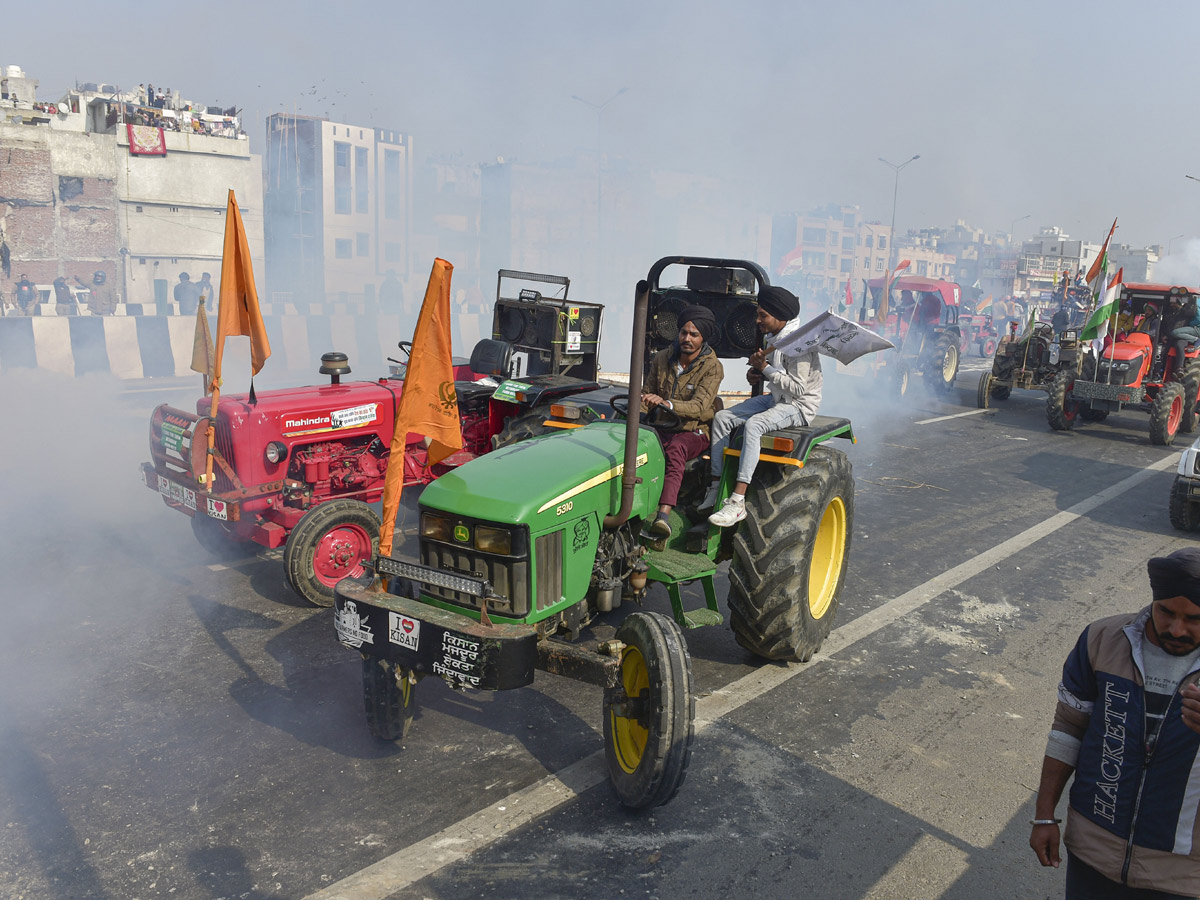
(629, 479)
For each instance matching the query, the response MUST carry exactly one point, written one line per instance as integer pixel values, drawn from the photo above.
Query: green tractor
(521, 549)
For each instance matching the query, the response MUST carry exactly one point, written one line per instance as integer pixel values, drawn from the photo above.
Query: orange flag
(237, 313)
(428, 406)
(202, 346)
(237, 309)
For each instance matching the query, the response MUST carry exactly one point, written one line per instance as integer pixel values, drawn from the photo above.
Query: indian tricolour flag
(984, 306)
(1097, 323)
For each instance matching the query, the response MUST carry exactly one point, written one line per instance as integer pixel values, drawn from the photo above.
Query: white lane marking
(969, 412)
(407, 866)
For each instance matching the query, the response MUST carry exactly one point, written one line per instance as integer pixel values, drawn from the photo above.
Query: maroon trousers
(679, 448)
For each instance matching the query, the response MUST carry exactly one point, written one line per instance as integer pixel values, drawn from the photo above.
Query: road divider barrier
(135, 347)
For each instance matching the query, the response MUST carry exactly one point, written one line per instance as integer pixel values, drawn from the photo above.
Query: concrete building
(1138, 262)
(815, 254)
(78, 200)
(339, 211)
(1046, 257)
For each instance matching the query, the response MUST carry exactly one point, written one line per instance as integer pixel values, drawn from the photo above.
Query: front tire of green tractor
(941, 365)
(983, 394)
(388, 691)
(649, 716)
(212, 535)
(1191, 390)
(330, 542)
(1061, 407)
(531, 424)
(1166, 414)
(790, 556)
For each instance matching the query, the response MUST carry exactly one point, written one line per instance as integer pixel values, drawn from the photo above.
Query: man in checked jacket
(1128, 726)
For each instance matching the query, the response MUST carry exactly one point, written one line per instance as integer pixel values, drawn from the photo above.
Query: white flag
(831, 335)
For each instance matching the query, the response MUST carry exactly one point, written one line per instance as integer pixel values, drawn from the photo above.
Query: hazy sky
(1069, 112)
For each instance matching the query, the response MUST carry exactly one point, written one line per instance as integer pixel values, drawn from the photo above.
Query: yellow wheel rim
(829, 551)
(949, 363)
(629, 737)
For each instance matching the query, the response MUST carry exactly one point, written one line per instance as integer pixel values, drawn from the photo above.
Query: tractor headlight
(276, 452)
(493, 540)
(437, 528)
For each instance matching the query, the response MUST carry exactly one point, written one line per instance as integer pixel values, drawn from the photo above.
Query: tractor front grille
(223, 444)
(548, 556)
(508, 576)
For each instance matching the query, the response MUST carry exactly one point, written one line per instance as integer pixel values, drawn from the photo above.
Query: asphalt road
(175, 727)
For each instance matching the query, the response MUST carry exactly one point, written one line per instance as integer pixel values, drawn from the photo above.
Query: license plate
(177, 492)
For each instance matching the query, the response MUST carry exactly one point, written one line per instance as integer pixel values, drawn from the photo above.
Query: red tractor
(299, 468)
(980, 331)
(922, 321)
(1138, 369)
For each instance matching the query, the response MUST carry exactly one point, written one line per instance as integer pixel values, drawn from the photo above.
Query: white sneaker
(710, 499)
(730, 513)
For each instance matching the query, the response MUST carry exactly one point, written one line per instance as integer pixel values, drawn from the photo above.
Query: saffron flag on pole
(203, 352)
(429, 405)
(237, 314)
(1097, 323)
(831, 335)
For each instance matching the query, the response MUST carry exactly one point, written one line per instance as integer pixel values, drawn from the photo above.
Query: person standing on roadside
(1127, 726)
(187, 295)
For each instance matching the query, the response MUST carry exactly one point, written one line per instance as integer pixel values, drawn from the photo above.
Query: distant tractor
(922, 321)
(299, 468)
(524, 548)
(979, 332)
(1032, 362)
(1139, 369)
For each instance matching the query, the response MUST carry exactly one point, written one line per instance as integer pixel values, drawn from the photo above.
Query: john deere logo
(461, 534)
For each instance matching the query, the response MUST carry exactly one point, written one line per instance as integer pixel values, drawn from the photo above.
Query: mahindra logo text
(302, 423)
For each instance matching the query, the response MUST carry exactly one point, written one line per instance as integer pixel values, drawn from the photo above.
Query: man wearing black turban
(1127, 726)
(795, 381)
(684, 378)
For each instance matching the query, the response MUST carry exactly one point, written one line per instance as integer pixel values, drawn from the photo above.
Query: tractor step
(698, 618)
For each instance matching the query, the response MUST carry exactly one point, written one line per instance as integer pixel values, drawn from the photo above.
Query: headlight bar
(465, 584)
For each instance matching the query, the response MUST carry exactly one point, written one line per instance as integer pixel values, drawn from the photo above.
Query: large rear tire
(1184, 512)
(941, 365)
(388, 692)
(1061, 408)
(983, 394)
(531, 424)
(790, 556)
(649, 717)
(1166, 414)
(329, 543)
(1191, 388)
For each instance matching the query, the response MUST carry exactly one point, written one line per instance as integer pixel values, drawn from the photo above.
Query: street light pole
(895, 193)
(1171, 241)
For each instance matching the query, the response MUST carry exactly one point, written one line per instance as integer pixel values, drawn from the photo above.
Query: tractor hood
(539, 481)
(313, 409)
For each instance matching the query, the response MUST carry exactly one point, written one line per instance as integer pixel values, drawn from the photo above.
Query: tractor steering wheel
(659, 417)
(406, 346)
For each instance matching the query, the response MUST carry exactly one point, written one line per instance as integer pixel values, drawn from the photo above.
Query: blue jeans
(760, 415)
(1085, 883)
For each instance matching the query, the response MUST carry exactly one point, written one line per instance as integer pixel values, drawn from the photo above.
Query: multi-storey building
(338, 210)
(78, 198)
(815, 254)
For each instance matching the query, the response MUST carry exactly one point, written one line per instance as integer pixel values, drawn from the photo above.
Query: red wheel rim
(340, 554)
(1175, 416)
